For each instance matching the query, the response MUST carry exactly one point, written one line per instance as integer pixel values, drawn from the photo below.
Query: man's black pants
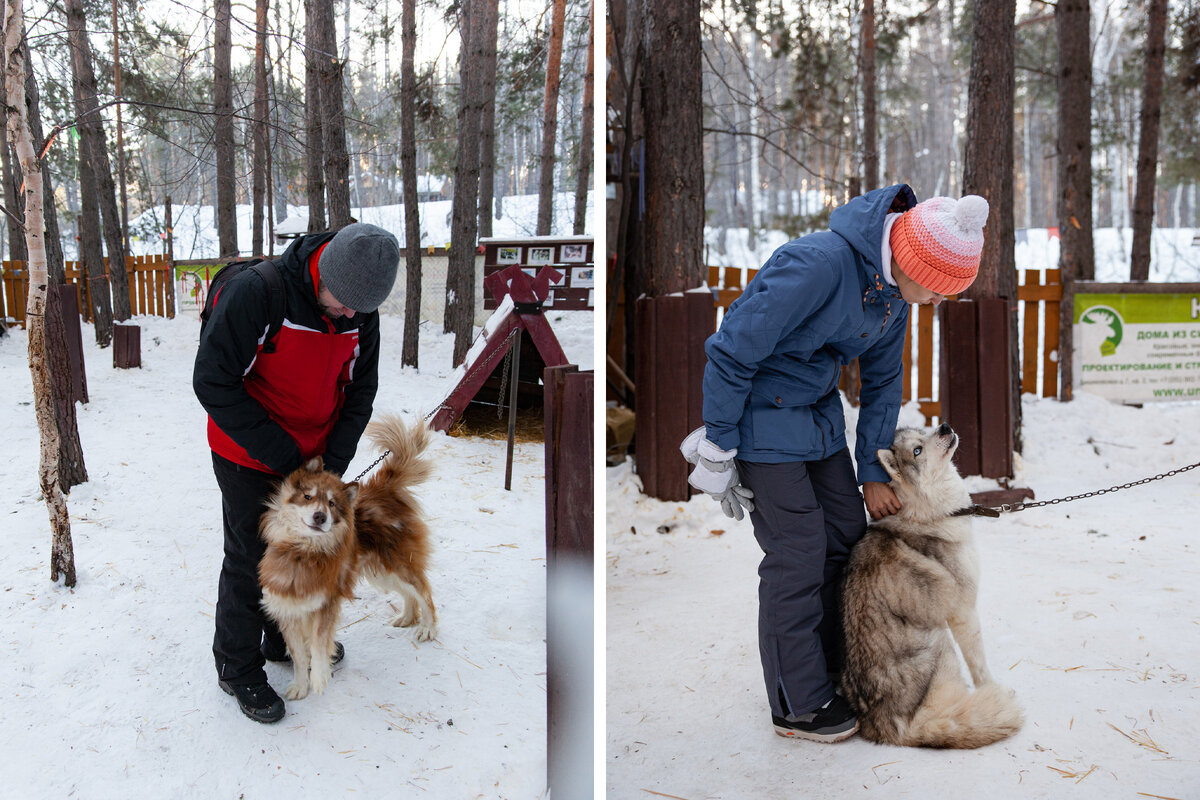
(242, 625)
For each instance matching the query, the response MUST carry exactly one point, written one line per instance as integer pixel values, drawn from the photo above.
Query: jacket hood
(294, 259)
(860, 221)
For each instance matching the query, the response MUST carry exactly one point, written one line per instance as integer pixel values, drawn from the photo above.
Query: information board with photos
(573, 256)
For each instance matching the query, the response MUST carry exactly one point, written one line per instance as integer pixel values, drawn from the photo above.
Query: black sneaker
(339, 653)
(832, 722)
(258, 701)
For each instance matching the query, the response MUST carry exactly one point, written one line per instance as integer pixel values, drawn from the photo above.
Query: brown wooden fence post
(568, 406)
(671, 331)
(976, 375)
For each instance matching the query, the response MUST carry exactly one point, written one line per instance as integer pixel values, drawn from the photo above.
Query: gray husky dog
(910, 584)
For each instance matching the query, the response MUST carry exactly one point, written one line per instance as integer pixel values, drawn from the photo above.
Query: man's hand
(880, 499)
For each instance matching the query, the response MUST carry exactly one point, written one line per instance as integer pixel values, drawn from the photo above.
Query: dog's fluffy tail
(405, 466)
(963, 719)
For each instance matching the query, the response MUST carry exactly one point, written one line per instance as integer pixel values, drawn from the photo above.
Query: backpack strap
(269, 272)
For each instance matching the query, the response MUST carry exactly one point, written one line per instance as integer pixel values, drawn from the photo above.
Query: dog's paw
(425, 633)
(295, 691)
(320, 679)
(406, 619)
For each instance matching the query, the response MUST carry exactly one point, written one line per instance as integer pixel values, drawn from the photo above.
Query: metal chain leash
(512, 334)
(1005, 507)
(508, 351)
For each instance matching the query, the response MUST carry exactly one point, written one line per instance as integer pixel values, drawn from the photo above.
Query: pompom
(971, 213)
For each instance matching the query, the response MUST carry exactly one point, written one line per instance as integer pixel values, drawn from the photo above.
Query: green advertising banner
(1138, 347)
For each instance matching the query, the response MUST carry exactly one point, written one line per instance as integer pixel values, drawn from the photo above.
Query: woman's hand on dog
(880, 499)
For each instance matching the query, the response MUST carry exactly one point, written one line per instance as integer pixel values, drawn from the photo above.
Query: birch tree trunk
(62, 555)
(545, 217)
(408, 167)
(583, 181)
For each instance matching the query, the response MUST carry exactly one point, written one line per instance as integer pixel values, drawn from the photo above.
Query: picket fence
(150, 288)
(1039, 295)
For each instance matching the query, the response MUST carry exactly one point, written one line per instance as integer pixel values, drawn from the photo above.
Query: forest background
(165, 53)
(783, 109)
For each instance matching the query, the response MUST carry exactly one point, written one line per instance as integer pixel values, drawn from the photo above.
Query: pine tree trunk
(260, 173)
(408, 165)
(62, 555)
(489, 22)
(91, 131)
(545, 217)
(464, 208)
(1149, 122)
(314, 144)
(333, 112)
(583, 177)
(870, 133)
(674, 189)
(223, 131)
(988, 167)
(1077, 258)
(91, 249)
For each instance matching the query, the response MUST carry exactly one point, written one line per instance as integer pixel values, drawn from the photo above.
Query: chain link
(440, 406)
(1005, 508)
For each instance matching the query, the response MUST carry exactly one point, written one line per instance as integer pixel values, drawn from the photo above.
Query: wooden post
(976, 371)
(68, 303)
(514, 378)
(669, 367)
(127, 346)
(170, 263)
(568, 406)
(960, 380)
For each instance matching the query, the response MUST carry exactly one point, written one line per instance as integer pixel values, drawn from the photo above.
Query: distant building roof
(294, 225)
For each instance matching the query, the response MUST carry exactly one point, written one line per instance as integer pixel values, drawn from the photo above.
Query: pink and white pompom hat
(937, 243)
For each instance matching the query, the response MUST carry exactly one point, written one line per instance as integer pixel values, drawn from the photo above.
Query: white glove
(716, 474)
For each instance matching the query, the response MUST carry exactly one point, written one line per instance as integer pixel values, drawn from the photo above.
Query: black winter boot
(258, 701)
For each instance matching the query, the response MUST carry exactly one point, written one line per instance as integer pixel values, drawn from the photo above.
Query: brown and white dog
(322, 535)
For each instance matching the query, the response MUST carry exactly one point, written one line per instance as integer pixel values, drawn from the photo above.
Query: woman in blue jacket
(771, 401)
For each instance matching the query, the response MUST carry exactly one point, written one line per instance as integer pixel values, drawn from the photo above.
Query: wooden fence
(150, 288)
(1038, 296)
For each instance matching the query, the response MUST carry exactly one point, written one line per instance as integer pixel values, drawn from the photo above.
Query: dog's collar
(976, 511)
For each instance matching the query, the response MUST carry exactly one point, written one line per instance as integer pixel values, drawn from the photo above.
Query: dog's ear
(315, 464)
(887, 459)
(351, 490)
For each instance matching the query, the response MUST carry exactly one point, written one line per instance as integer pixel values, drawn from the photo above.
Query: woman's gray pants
(807, 515)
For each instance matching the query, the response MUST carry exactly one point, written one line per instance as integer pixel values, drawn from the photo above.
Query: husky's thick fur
(910, 584)
(323, 534)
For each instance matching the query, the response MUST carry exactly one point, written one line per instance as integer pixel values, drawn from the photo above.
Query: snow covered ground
(1090, 611)
(109, 689)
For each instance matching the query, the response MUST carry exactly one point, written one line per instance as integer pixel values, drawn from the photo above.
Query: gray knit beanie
(359, 266)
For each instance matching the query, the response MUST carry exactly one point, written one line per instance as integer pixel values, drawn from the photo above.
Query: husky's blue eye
(916, 451)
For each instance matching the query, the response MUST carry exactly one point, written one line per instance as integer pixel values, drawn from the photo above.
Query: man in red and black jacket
(271, 408)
